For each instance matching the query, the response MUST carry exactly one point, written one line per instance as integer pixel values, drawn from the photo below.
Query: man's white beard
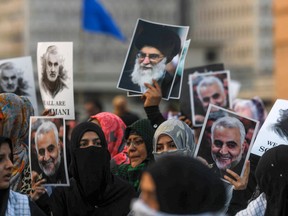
(140, 75)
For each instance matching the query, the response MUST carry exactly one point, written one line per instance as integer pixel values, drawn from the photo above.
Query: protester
(114, 129)
(152, 98)
(139, 137)
(12, 203)
(92, 106)
(93, 189)
(15, 117)
(177, 185)
(272, 178)
(173, 137)
(253, 108)
(120, 108)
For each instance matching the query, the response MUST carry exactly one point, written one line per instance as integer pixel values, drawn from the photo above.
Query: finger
(229, 179)
(247, 169)
(233, 174)
(34, 176)
(40, 182)
(182, 118)
(157, 86)
(149, 86)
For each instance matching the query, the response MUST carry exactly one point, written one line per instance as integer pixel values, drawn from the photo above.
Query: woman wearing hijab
(139, 143)
(14, 115)
(12, 203)
(272, 178)
(177, 185)
(93, 189)
(173, 137)
(114, 129)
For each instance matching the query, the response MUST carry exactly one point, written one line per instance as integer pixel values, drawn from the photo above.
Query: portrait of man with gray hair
(49, 154)
(227, 144)
(208, 88)
(11, 81)
(53, 72)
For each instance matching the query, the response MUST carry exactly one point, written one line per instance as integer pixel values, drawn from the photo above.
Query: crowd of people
(145, 168)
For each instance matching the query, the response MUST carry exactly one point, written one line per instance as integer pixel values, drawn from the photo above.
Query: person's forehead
(134, 136)
(47, 135)
(89, 134)
(164, 137)
(8, 72)
(231, 132)
(53, 57)
(150, 50)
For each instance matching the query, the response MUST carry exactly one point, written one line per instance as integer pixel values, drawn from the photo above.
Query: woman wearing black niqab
(93, 189)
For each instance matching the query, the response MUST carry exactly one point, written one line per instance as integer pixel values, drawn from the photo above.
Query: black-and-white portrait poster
(208, 88)
(55, 77)
(225, 140)
(154, 53)
(274, 130)
(47, 150)
(16, 76)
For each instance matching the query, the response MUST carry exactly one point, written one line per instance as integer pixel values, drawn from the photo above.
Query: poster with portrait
(55, 77)
(47, 150)
(206, 88)
(154, 53)
(225, 140)
(16, 76)
(184, 101)
(274, 130)
(175, 91)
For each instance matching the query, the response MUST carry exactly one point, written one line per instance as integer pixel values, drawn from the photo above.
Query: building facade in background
(239, 34)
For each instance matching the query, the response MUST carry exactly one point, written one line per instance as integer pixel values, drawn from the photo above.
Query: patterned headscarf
(28, 108)
(181, 134)
(14, 120)
(113, 128)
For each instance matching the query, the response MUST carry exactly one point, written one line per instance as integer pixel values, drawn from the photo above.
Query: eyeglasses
(214, 96)
(135, 142)
(152, 57)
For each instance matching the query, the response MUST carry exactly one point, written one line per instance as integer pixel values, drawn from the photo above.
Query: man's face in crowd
(48, 153)
(52, 67)
(212, 94)
(9, 81)
(226, 149)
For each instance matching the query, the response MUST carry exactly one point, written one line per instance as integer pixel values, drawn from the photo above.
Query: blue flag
(97, 19)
